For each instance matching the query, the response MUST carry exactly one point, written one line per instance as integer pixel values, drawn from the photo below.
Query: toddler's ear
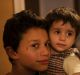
(11, 53)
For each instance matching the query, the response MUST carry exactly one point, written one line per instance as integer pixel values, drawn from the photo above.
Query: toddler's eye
(69, 34)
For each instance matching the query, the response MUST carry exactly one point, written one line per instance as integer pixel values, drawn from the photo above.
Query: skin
(32, 54)
(62, 35)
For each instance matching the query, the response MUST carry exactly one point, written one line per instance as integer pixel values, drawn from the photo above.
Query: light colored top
(71, 64)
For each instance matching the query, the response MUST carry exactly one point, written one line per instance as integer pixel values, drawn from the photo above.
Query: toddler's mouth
(61, 45)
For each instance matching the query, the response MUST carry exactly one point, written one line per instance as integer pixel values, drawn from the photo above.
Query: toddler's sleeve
(71, 64)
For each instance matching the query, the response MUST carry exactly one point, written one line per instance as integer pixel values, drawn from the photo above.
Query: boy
(63, 29)
(26, 42)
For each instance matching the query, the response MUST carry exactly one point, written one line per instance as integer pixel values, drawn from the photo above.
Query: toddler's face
(62, 35)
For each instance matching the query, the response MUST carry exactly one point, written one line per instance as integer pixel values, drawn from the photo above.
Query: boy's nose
(45, 51)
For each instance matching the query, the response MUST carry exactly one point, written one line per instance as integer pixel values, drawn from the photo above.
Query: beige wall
(6, 11)
(47, 5)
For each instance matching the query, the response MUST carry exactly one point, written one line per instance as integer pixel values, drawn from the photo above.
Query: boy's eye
(36, 45)
(57, 32)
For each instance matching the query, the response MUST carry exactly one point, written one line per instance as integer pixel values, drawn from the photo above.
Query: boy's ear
(11, 53)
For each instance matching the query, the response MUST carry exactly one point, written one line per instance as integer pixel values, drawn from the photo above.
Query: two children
(26, 41)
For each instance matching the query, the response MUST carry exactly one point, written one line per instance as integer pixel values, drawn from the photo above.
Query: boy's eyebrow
(34, 40)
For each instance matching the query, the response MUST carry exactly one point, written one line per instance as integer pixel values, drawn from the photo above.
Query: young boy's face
(33, 52)
(62, 35)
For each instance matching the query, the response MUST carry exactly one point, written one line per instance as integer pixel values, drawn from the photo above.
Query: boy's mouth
(44, 62)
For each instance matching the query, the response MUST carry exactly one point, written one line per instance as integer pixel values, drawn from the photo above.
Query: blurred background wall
(6, 11)
(46, 5)
(40, 7)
